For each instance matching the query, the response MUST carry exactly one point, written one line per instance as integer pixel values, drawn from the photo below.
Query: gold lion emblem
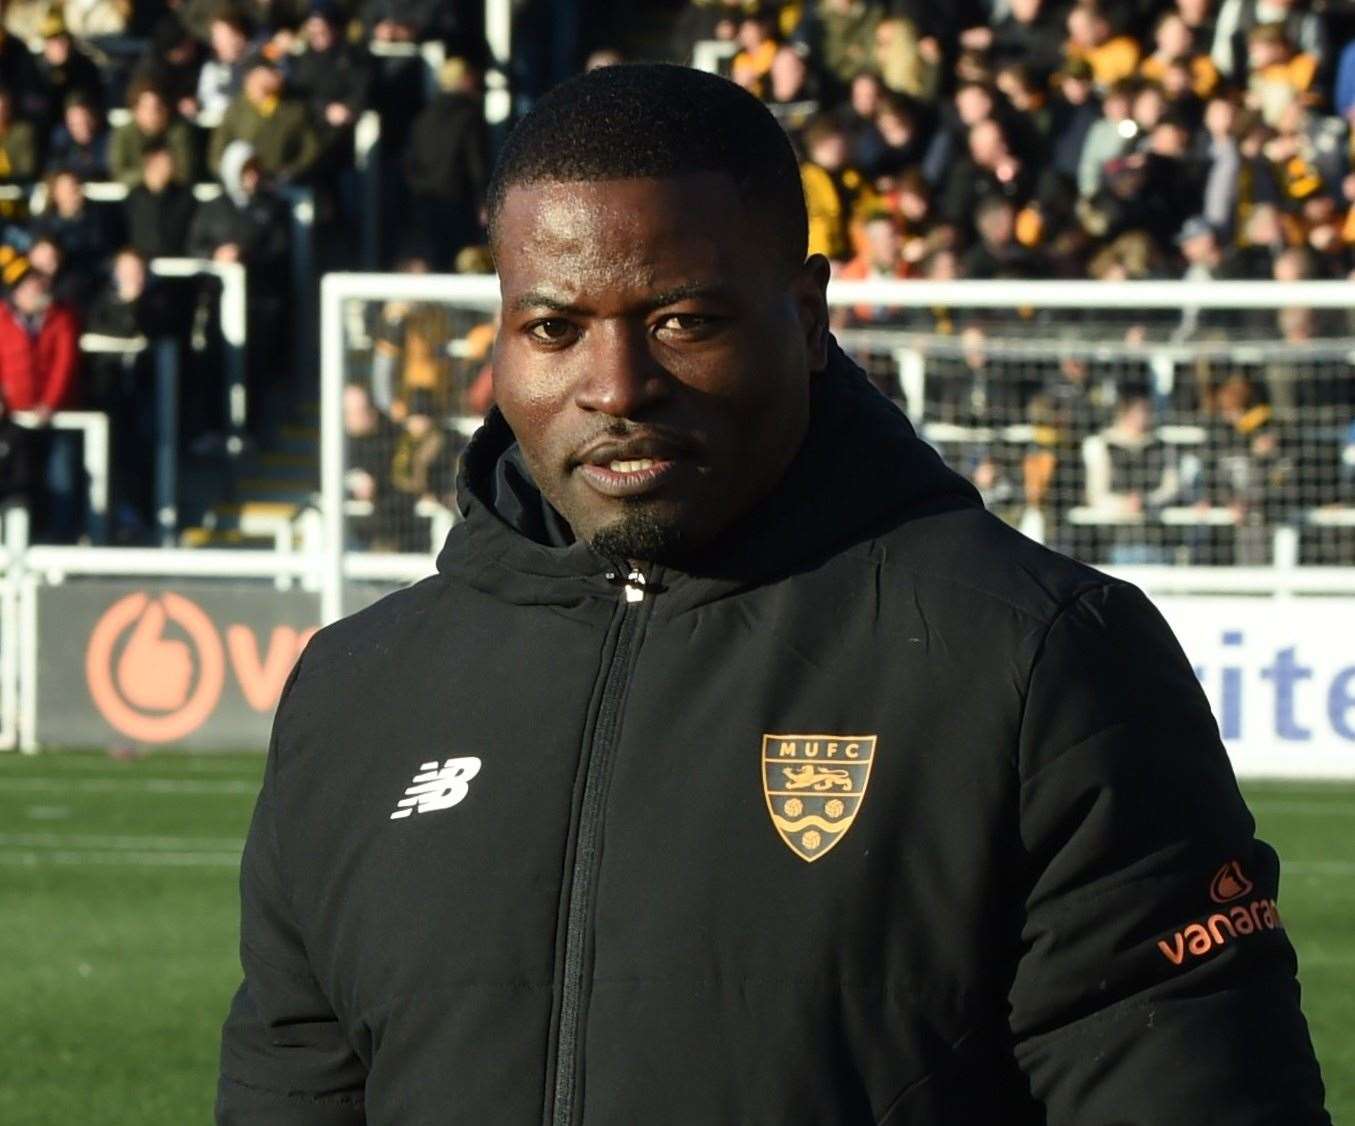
(814, 786)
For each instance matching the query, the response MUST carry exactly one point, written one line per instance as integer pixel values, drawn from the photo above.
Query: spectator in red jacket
(39, 341)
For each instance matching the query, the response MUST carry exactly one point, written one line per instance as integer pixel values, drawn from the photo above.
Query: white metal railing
(234, 325)
(93, 427)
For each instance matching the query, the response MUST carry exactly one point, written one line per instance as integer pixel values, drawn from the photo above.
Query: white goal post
(1028, 349)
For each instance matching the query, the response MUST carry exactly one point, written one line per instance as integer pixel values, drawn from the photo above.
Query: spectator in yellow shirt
(757, 40)
(1111, 57)
(1277, 74)
(1174, 43)
(836, 194)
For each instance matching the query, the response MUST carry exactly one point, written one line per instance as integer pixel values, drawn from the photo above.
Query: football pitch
(118, 918)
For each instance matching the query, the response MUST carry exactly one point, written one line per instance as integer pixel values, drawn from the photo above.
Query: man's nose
(624, 377)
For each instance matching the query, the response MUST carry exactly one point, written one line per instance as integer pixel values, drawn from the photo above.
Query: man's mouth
(629, 468)
(630, 477)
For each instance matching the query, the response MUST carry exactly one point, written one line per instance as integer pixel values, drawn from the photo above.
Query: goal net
(1163, 424)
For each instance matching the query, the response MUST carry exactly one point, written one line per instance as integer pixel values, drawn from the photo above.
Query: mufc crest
(814, 785)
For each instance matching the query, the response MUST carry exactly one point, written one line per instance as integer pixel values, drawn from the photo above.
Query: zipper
(583, 876)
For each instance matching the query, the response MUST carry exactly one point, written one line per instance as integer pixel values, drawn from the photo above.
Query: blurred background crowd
(1038, 138)
(986, 139)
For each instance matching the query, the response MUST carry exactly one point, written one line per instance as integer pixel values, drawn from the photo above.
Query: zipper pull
(635, 585)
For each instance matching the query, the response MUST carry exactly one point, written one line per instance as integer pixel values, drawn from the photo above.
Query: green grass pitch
(118, 919)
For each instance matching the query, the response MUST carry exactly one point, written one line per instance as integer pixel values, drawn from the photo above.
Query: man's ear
(810, 287)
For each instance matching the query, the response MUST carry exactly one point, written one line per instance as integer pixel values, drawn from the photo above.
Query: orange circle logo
(146, 689)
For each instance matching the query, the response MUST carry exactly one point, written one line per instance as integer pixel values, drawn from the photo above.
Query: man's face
(996, 225)
(262, 83)
(654, 357)
(67, 194)
(358, 413)
(1173, 37)
(80, 124)
(319, 33)
(129, 276)
(57, 49)
(158, 170)
(228, 42)
(865, 95)
(1199, 248)
(787, 74)
(150, 112)
(32, 295)
(986, 145)
(829, 151)
(973, 104)
(46, 259)
(882, 242)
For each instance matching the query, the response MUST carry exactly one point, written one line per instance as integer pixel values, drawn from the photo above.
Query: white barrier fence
(1266, 640)
(1277, 668)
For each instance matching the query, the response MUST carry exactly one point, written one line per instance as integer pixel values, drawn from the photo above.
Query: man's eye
(551, 331)
(685, 322)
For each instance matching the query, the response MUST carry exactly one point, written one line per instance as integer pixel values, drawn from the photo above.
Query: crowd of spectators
(155, 99)
(1098, 140)
(1059, 138)
(1001, 139)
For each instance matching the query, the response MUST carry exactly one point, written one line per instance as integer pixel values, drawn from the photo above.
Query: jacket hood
(860, 471)
(234, 158)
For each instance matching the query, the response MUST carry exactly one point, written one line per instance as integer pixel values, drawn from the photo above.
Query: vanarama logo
(1229, 883)
(1231, 922)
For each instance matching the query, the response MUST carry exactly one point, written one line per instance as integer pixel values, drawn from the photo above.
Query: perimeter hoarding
(186, 664)
(201, 665)
(1280, 676)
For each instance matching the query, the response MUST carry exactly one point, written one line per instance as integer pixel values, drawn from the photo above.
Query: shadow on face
(655, 354)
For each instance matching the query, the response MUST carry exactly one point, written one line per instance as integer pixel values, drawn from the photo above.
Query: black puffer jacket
(891, 816)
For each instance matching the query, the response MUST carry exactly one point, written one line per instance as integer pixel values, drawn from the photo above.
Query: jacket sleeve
(62, 356)
(285, 1059)
(124, 159)
(1154, 981)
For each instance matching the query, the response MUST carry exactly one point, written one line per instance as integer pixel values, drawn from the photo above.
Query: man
(153, 124)
(18, 144)
(836, 193)
(39, 338)
(737, 767)
(249, 223)
(333, 78)
(64, 69)
(447, 167)
(158, 212)
(277, 126)
(80, 142)
(220, 76)
(131, 305)
(997, 253)
(1202, 256)
(85, 232)
(370, 438)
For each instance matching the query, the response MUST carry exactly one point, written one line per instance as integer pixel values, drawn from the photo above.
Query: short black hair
(654, 120)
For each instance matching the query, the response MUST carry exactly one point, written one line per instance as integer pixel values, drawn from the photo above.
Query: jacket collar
(860, 471)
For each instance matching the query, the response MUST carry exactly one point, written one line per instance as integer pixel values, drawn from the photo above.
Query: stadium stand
(177, 176)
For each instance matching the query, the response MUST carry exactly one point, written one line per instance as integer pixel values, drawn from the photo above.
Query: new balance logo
(438, 787)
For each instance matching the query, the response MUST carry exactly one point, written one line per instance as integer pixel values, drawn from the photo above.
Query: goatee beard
(639, 536)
